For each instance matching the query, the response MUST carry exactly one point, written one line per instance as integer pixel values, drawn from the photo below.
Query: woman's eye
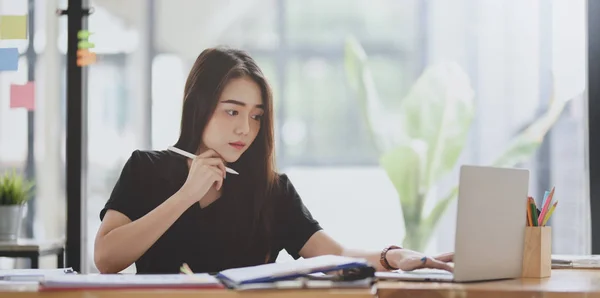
(257, 117)
(231, 112)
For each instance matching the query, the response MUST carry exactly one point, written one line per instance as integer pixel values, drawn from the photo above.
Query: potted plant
(15, 191)
(420, 142)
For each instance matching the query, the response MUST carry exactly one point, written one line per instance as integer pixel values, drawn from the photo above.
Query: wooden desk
(562, 283)
(28, 291)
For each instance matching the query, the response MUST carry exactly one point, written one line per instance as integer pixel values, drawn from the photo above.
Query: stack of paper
(305, 283)
(576, 261)
(32, 274)
(113, 281)
(288, 270)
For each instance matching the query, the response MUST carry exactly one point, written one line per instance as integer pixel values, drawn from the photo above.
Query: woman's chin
(231, 158)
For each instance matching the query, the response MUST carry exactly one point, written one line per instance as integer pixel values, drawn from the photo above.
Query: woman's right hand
(206, 170)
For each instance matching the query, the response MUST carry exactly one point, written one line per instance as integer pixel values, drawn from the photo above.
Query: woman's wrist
(183, 198)
(387, 262)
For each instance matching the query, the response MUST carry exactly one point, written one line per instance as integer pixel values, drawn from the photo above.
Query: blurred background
(501, 64)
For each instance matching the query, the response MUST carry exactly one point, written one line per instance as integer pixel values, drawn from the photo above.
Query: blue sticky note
(9, 59)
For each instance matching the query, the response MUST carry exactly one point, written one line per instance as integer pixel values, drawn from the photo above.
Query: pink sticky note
(22, 96)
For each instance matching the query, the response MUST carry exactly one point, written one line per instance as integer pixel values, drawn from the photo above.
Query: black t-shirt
(207, 239)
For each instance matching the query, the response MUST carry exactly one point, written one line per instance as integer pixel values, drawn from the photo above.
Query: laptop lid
(491, 220)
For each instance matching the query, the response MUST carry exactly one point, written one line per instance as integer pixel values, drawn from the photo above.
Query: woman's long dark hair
(213, 69)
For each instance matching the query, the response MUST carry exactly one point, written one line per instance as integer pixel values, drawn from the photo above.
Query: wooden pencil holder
(537, 252)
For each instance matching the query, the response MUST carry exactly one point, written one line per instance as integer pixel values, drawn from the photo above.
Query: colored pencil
(186, 269)
(534, 214)
(549, 214)
(546, 203)
(529, 223)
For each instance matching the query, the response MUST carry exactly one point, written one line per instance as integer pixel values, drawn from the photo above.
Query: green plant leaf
(439, 110)
(418, 234)
(525, 144)
(431, 129)
(403, 167)
(381, 124)
(437, 212)
(414, 238)
(14, 189)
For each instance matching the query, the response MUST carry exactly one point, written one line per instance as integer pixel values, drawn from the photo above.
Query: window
(39, 131)
(514, 54)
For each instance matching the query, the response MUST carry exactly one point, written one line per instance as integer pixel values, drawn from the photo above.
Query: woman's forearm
(320, 243)
(122, 246)
(371, 256)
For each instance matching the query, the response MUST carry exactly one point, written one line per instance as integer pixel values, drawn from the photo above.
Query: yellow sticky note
(13, 27)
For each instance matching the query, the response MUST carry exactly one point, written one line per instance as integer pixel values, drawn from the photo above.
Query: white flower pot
(10, 221)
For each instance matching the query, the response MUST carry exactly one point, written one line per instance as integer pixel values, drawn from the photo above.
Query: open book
(113, 281)
(288, 270)
(254, 277)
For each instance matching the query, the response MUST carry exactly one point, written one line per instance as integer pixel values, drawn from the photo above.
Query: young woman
(166, 209)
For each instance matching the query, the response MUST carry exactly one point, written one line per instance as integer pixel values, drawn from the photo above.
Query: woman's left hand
(408, 260)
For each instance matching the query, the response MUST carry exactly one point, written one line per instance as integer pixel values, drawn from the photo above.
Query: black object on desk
(349, 274)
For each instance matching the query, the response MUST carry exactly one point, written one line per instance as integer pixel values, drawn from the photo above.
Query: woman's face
(236, 120)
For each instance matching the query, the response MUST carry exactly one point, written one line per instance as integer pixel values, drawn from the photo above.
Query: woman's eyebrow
(239, 103)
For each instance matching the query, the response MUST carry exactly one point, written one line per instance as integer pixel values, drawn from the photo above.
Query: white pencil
(192, 156)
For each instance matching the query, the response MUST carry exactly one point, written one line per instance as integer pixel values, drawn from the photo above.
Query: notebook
(32, 274)
(120, 281)
(273, 272)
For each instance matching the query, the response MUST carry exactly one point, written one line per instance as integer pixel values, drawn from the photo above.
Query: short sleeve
(125, 196)
(295, 224)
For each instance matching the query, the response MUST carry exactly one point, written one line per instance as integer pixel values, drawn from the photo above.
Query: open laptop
(490, 227)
